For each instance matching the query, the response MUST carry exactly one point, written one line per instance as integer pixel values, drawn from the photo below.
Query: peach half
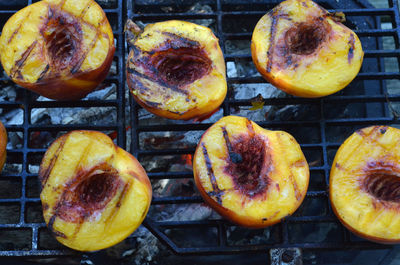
(60, 49)
(3, 145)
(252, 176)
(176, 69)
(304, 50)
(365, 184)
(94, 194)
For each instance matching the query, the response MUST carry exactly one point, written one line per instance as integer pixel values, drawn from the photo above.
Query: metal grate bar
(348, 12)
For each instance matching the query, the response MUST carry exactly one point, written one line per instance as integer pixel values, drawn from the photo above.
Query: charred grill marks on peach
(79, 63)
(174, 64)
(51, 227)
(43, 73)
(275, 18)
(19, 63)
(216, 191)
(151, 73)
(46, 174)
(179, 41)
(234, 157)
(297, 194)
(351, 48)
(120, 199)
(16, 30)
(70, 34)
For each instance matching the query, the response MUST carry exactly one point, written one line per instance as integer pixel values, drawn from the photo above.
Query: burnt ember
(182, 66)
(305, 37)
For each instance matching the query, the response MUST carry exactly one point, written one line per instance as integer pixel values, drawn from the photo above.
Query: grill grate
(370, 99)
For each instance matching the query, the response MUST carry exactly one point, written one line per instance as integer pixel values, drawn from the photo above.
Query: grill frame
(125, 9)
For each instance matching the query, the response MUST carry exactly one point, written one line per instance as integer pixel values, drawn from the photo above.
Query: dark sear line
(120, 198)
(50, 225)
(234, 157)
(275, 16)
(270, 51)
(137, 85)
(181, 40)
(142, 89)
(78, 227)
(144, 63)
(19, 63)
(211, 175)
(297, 194)
(136, 52)
(173, 64)
(83, 156)
(123, 193)
(216, 193)
(43, 73)
(45, 176)
(158, 81)
(153, 104)
(78, 65)
(17, 29)
(351, 48)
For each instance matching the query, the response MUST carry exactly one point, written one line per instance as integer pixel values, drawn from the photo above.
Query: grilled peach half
(304, 50)
(251, 176)
(60, 49)
(94, 194)
(3, 145)
(365, 184)
(176, 69)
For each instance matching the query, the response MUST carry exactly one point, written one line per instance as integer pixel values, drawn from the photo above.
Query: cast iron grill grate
(371, 99)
